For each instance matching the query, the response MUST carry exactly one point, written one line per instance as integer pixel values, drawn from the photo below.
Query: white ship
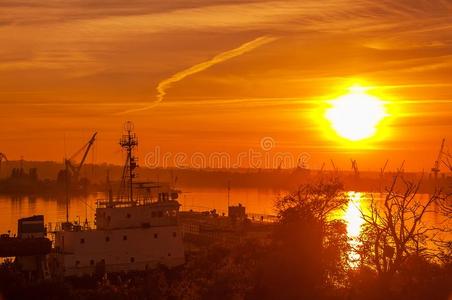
(134, 231)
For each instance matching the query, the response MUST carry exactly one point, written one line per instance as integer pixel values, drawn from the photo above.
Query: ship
(134, 230)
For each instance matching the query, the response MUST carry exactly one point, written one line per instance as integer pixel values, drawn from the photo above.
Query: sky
(208, 76)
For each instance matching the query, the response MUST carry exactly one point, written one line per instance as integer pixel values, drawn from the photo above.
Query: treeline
(286, 179)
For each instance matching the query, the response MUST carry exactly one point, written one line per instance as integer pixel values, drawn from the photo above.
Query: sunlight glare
(354, 221)
(356, 115)
(353, 215)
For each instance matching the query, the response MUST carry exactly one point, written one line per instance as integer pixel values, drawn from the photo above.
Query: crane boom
(448, 164)
(382, 170)
(88, 147)
(333, 165)
(438, 160)
(76, 169)
(355, 166)
(446, 160)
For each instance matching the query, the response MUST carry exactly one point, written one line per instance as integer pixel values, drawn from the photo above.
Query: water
(53, 209)
(256, 201)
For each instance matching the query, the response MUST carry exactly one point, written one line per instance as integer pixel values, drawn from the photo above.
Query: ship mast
(128, 142)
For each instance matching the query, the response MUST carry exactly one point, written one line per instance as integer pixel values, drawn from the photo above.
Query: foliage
(309, 251)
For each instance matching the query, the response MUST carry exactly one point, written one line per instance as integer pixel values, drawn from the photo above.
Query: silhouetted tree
(309, 250)
(394, 230)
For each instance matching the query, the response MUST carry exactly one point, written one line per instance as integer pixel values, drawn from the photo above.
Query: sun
(356, 115)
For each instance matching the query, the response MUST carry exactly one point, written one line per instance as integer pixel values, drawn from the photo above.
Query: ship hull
(118, 250)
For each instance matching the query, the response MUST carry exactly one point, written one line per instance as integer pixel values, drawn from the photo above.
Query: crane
(2, 157)
(355, 167)
(446, 161)
(75, 169)
(438, 160)
(333, 165)
(401, 169)
(382, 170)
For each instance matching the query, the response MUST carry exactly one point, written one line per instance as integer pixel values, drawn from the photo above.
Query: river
(257, 202)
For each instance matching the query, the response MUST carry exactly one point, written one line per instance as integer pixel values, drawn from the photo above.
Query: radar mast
(128, 142)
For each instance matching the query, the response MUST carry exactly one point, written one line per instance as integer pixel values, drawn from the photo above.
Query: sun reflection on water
(353, 214)
(354, 220)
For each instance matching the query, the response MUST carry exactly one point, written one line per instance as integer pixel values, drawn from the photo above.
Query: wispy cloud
(164, 85)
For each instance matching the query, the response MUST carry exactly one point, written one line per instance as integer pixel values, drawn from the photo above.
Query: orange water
(199, 199)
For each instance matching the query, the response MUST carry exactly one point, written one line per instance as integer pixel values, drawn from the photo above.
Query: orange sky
(68, 68)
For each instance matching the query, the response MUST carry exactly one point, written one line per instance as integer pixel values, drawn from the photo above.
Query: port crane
(382, 170)
(69, 162)
(355, 167)
(2, 157)
(447, 162)
(335, 169)
(439, 159)
(401, 169)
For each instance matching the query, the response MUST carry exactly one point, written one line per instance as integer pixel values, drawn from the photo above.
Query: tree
(444, 245)
(308, 255)
(394, 230)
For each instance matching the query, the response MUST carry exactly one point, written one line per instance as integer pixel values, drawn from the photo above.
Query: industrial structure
(355, 167)
(71, 174)
(443, 158)
(133, 231)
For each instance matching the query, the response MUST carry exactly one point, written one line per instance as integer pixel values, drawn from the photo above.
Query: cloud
(164, 85)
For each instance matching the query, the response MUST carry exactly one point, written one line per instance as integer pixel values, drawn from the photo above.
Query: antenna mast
(128, 142)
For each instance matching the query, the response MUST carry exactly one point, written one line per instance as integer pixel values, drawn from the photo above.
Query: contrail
(164, 85)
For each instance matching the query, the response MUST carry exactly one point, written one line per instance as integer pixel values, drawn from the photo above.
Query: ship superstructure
(136, 230)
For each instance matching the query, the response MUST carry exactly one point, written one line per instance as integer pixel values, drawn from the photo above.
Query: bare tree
(394, 228)
(445, 204)
(444, 245)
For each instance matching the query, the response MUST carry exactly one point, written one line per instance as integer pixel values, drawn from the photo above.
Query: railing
(262, 218)
(254, 217)
(58, 226)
